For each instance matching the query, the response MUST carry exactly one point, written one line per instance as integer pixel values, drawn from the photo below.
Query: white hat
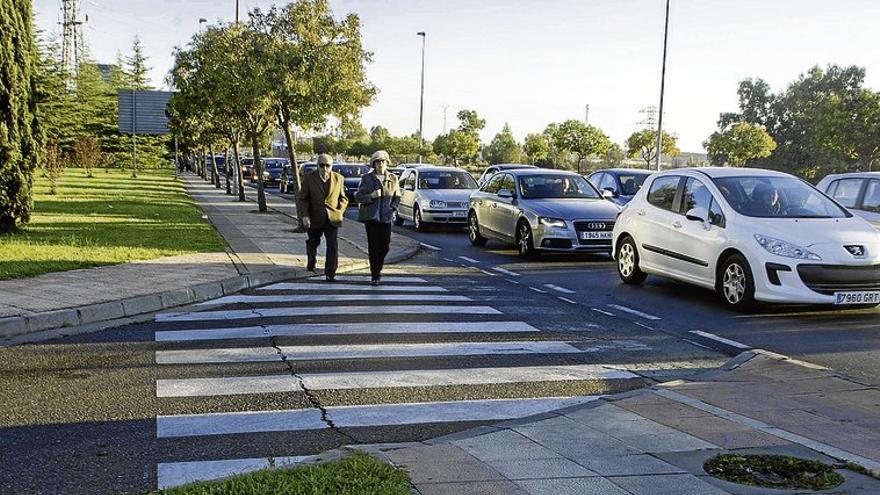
(380, 155)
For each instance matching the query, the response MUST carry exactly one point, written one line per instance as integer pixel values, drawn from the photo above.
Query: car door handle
(676, 224)
(641, 213)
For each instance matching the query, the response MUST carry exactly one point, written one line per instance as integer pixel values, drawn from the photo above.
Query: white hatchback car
(752, 235)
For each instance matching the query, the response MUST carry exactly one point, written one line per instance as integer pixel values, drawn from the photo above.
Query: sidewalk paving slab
(655, 441)
(263, 249)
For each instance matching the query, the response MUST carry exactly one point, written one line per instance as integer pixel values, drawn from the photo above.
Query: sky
(532, 62)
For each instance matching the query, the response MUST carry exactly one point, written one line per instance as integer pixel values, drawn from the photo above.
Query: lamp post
(422, 100)
(662, 87)
(202, 20)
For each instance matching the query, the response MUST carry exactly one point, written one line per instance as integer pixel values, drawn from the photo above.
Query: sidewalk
(262, 249)
(655, 441)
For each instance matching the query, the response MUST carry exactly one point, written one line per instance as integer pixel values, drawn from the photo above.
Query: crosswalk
(405, 354)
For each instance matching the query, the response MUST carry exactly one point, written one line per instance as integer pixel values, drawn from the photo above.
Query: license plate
(459, 214)
(861, 297)
(592, 236)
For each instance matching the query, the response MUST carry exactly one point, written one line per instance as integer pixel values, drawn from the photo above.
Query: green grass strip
(356, 474)
(107, 219)
(774, 471)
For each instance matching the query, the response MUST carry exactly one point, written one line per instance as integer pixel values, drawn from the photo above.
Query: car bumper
(799, 282)
(458, 216)
(571, 238)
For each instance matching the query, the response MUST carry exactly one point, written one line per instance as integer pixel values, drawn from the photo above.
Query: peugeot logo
(596, 226)
(857, 251)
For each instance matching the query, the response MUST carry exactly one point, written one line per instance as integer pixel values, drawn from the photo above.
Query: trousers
(331, 261)
(378, 242)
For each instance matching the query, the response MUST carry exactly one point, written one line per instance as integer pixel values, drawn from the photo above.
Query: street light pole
(236, 11)
(662, 88)
(202, 20)
(422, 100)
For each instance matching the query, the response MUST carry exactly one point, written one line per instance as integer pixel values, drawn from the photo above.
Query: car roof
(619, 171)
(853, 175)
(439, 168)
(512, 166)
(717, 172)
(540, 171)
(414, 165)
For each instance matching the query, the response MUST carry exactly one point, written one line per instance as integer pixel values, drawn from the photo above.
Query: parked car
(247, 169)
(434, 195)
(621, 183)
(351, 173)
(494, 169)
(860, 192)
(272, 168)
(307, 167)
(750, 234)
(285, 182)
(541, 210)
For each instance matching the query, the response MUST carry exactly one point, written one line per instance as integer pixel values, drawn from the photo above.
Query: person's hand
(376, 194)
(306, 222)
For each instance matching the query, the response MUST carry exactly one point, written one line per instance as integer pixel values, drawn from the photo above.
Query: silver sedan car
(434, 195)
(542, 210)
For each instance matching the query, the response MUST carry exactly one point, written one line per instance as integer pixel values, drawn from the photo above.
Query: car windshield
(351, 170)
(631, 183)
(453, 179)
(556, 186)
(275, 165)
(777, 197)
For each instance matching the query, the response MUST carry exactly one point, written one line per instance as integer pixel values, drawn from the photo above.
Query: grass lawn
(108, 219)
(356, 474)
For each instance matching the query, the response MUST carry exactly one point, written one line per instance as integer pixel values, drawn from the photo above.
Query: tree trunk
(258, 169)
(203, 159)
(227, 170)
(240, 178)
(215, 170)
(283, 116)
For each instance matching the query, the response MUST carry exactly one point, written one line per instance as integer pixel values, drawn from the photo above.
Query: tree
(318, 66)
(21, 136)
(849, 124)
(739, 143)
(614, 156)
(643, 144)
(504, 148)
(137, 71)
(583, 140)
(53, 166)
(536, 147)
(86, 154)
(469, 121)
(457, 145)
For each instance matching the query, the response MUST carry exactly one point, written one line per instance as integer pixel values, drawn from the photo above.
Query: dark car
(272, 168)
(247, 169)
(621, 183)
(352, 173)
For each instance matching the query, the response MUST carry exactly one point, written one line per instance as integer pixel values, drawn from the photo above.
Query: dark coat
(379, 209)
(319, 207)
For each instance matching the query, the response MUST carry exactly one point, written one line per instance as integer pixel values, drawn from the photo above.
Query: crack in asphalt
(313, 400)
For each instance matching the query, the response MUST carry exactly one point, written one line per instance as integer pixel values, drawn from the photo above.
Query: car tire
(396, 218)
(736, 284)
(474, 231)
(418, 224)
(628, 262)
(525, 243)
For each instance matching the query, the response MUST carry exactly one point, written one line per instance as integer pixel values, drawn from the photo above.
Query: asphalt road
(845, 340)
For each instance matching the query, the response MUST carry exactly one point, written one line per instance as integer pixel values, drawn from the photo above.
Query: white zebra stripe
(294, 298)
(239, 314)
(336, 287)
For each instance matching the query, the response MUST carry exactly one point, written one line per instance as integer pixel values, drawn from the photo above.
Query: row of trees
(291, 67)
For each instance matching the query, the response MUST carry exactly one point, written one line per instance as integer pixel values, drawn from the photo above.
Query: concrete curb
(94, 317)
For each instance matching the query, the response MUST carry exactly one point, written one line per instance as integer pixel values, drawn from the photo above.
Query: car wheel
(417, 220)
(474, 231)
(736, 284)
(396, 218)
(628, 262)
(524, 242)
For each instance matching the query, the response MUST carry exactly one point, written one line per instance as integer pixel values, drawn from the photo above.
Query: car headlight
(552, 222)
(786, 249)
(436, 203)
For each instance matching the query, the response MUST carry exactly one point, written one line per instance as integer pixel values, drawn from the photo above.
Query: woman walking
(378, 196)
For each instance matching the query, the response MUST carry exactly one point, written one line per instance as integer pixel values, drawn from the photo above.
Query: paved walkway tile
(540, 468)
(572, 486)
(504, 445)
(630, 465)
(471, 488)
(667, 484)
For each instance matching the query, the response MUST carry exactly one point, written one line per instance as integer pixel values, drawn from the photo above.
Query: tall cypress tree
(20, 142)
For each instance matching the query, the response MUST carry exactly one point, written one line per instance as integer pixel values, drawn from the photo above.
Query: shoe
(375, 282)
(331, 278)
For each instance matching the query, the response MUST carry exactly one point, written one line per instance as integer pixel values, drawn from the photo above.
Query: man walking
(321, 202)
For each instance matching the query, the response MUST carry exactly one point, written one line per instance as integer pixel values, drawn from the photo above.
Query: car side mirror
(409, 187)
(505, 193)
(607, 193)
(699, 214)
